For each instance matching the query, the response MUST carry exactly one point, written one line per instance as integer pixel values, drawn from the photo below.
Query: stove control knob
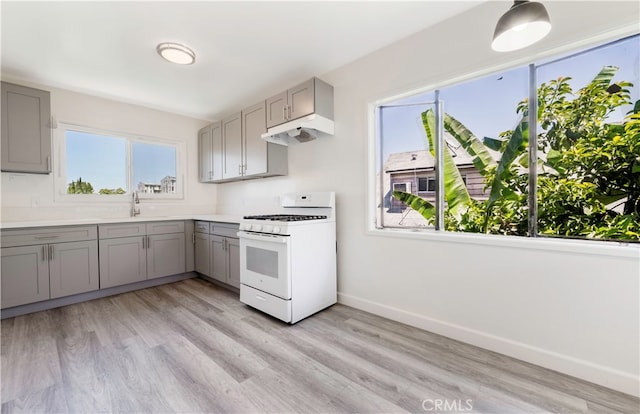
(276, 229)
(243, 227)
(257, 227)
(267, 228)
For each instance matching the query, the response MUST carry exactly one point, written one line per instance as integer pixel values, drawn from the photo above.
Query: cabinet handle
(143, 240)
(193, 238)
(284, 112)
(224, 244)
(148, 242)
(289, 109)
(49, 163)
(44, 254)
(50, 252)
(240, 169)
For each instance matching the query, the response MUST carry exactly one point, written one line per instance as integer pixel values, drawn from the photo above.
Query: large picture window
(475, 166)
(99, 163)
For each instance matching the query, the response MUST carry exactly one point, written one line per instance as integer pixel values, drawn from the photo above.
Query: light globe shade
(176, 53)
(522, 25)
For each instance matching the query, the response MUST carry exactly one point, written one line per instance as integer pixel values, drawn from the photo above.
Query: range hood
(299, 130)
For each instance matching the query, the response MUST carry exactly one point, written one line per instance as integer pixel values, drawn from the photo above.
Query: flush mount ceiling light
(176, 53)
(522, 25)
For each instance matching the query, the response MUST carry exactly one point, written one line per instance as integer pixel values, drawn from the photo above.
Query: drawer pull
(46, 237)
(262, 298)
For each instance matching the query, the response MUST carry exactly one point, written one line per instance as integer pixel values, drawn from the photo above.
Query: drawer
(112, 231)
(28, 237)
(202, 227)
(165, 227)
(224, 229)
(265, 302)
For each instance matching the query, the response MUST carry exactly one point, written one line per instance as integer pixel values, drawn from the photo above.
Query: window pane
(589, 175)
(95, 164)
(484, 191)
(154, 168)
(405, 161)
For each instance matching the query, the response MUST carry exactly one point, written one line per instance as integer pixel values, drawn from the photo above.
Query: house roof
(423, 160)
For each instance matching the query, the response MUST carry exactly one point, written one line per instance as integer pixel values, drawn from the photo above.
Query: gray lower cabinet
(165, 255)
(133, 252)
(26, 129)
(202, 253)
(73, 268)
(123, 260)
(48, 263)
(25, 275)
(218, 253)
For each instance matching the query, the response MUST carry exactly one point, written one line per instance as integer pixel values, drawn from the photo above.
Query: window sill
(585, 247)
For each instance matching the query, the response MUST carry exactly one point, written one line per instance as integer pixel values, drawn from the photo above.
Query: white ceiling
(246, 51)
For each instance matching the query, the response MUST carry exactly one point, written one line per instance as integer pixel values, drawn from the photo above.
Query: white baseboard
(588, 371)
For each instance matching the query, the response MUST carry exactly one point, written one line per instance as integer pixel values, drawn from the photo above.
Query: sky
(487, 106)
(102, 160)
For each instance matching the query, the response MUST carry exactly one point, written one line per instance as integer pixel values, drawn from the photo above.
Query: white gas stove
(288, 259)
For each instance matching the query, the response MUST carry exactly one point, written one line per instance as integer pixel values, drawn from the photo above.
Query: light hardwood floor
(193, 347)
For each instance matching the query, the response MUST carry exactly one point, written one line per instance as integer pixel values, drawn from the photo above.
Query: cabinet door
(218, 256)
(26, 136)
(217, 152)
(165, 255)
(202, 254)
(232, 141)
(122, 260)
(73, 268)
(300, 100)
(276, 107)
(255, 148)
(24, 275)
(233, 262)
(205, 155)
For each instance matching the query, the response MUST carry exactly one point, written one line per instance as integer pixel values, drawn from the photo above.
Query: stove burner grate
(285, 217)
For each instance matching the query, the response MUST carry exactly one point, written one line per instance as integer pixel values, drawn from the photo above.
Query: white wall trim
(598, 374)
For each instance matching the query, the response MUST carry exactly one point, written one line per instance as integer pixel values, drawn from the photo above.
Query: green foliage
(588, 169)
(79, 187)
(118, 190)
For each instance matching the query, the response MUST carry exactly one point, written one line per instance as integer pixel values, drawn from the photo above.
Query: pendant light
(176, 53)
(524, 24)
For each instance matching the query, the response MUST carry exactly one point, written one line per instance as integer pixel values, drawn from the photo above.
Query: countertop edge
(220, 218)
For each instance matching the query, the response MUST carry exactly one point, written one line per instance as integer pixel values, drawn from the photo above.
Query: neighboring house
(168, 185)
(414, 172)
(148, 188)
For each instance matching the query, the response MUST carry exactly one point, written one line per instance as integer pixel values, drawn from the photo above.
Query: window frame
(375, 161)
(60, 166)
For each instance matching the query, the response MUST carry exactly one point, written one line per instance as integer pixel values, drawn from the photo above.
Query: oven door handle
(268, 238)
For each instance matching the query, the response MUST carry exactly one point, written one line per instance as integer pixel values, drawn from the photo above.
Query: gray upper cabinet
(232, 146)
(261, 158)
(26, 129)
(233, 149)
(277, 109)
(312, 96)
(205, 155)
(300, 99)
(210, 155)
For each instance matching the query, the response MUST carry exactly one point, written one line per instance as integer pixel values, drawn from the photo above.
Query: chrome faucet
(135, 200)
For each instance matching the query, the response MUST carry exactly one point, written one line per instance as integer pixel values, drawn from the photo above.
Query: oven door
(265, 264)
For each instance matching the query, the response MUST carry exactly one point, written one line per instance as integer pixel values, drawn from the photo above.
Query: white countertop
(222, 218)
